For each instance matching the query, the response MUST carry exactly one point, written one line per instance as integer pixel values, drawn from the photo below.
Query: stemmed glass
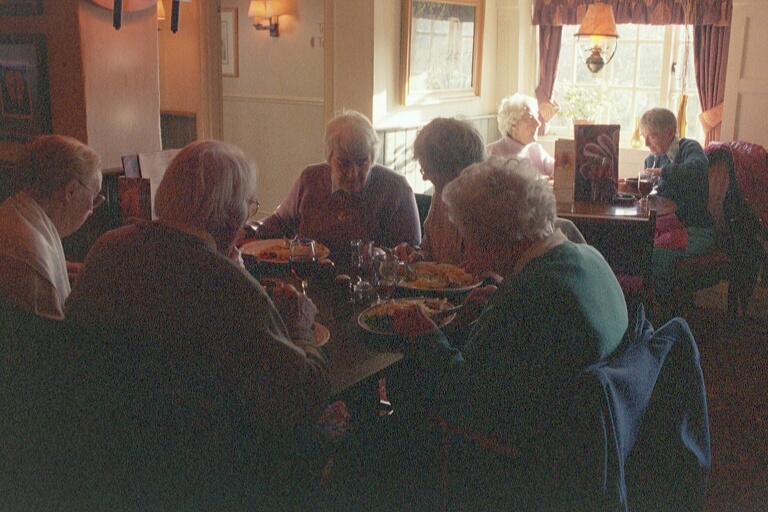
(389, 272)
(302, 260)
(645, 182)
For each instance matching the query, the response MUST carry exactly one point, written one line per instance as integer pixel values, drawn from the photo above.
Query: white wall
(274, 109)
(745, 110)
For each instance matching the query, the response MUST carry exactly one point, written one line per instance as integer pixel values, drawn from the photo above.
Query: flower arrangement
(581, 104)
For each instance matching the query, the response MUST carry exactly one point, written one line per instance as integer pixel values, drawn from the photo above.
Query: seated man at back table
(683, 168)
(348, 197)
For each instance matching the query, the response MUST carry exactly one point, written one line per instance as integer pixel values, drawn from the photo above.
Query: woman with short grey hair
(209, 185)
(443, 148)
(558, 310)
(488, 203)
(518, 118)
(231, 369)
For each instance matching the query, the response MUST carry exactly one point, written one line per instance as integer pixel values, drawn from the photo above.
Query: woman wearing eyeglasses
(61, 185)
(518, 119)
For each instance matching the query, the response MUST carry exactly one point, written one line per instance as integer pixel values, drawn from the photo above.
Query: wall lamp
(597, 37)
(266, 11)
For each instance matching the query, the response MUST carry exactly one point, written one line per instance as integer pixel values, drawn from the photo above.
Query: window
(645, 72)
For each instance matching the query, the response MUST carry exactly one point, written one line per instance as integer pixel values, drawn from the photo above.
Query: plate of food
(275, 250)
(439, 277)
(379, 318)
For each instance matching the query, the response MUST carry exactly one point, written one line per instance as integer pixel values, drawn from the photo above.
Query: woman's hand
(297, 310)
(474, 304)
(411, 322)
(236, 256)
(73, 268)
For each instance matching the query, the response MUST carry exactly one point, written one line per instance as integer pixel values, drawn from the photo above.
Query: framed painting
(24, 94)
(229, 50)
(441, 50)
(21, 7)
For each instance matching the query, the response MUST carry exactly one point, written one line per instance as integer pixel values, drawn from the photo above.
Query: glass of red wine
(302, 260)
(645, 182)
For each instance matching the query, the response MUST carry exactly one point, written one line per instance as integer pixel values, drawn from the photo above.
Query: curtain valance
(642, 12)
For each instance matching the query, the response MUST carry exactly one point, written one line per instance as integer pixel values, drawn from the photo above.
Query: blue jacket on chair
(654, 415)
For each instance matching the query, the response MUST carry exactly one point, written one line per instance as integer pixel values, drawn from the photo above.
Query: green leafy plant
(581, 104)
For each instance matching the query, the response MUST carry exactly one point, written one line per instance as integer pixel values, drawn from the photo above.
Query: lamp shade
(597, 36)
(598, 21)
(265, 8)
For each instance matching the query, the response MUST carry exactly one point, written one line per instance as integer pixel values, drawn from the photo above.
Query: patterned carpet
(734, 362)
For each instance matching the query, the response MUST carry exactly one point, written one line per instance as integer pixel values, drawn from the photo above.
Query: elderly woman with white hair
(214, 365)
(61, 180)
(518, 118)
(558, 310)
(348, 197)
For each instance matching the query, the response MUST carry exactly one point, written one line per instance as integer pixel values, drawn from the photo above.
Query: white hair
(501, 199)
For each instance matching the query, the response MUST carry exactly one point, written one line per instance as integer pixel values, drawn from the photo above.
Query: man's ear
(70, 189)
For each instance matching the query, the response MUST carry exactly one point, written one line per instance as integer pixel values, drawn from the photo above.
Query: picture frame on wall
(441, 50)
(229, 46)
(21, 7)
(24, 90)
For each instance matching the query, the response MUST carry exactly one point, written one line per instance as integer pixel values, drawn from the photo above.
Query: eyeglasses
(347, 165)
(98, 197)
(253, 207)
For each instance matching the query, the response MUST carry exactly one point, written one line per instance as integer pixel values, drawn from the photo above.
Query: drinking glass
(302, 260)
(645, 182)
(389, 272)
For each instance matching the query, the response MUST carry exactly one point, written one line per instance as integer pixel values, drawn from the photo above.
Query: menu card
(135, 203)
(564, 170)
(596, 162)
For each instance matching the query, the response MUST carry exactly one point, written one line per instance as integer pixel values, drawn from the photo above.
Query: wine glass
(645, 182)
(389, 272)
(302, 260)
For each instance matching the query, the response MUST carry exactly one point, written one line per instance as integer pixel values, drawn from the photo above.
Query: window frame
(669, 87)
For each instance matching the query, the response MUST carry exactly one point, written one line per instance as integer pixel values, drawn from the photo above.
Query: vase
(636, 142)
(602, 190)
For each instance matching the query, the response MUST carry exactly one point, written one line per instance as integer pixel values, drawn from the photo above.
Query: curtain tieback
(547, 110)
(712, 117)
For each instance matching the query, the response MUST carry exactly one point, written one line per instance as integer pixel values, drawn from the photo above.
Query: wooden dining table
(629, 209)
(353, 355)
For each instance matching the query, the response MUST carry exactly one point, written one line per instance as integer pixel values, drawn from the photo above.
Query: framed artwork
(441, 50)
(229, 57)
(24, 94)
(21, 7)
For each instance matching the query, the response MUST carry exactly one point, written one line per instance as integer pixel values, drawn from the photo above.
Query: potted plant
(581, 105)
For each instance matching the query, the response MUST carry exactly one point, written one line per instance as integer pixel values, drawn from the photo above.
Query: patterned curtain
(641, 12)
(710, 57)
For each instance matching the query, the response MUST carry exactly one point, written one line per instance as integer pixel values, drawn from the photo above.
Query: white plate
(411, 285)
(254, 248)
(362, 318)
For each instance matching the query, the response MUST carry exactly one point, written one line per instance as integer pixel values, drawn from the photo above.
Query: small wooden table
(661, 205)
